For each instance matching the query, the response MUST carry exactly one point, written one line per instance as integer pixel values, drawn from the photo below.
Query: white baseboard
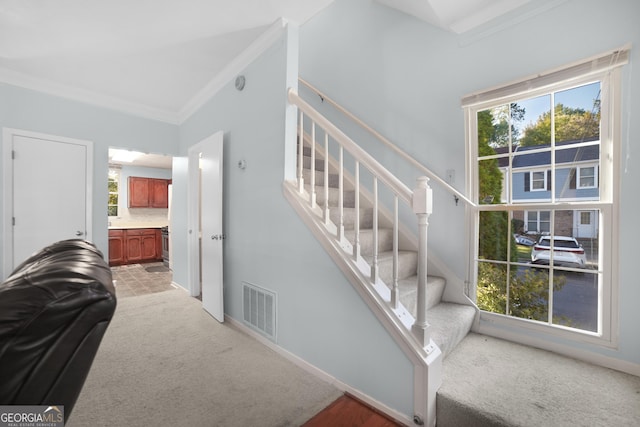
(319, 373)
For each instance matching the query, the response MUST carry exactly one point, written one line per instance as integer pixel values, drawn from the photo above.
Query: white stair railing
(419, 200)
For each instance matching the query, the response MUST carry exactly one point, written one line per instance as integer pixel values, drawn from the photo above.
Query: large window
(544, 246)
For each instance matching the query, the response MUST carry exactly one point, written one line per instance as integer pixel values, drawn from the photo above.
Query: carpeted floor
(492, 382)
(165, 362)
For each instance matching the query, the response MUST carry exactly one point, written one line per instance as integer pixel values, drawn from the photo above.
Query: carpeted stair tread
(334, 178)
(349, 217)
(407, 265)
(450, 323)
(409, 288)
(348, 196)
(492, 382)
(385, 240)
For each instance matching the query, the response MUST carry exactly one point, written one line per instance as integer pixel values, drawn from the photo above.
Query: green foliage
(504, 122)
(570, 124)
(528, 291)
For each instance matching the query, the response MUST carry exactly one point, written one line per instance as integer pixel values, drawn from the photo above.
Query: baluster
(326, 213)
(341, 195)
(301, 153)
(312, 198)
(374, 263)
(395, 293)
(356, 227)
(422, 207)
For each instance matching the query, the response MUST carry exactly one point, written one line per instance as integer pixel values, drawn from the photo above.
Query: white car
(566, 252)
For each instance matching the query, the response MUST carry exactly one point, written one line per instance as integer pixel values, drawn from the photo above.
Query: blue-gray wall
(407, 79)
(320, 317)
(39, 112)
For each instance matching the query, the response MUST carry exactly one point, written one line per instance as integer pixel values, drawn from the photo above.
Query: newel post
(422, 206)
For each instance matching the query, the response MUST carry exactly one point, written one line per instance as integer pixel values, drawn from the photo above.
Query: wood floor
(351, 412)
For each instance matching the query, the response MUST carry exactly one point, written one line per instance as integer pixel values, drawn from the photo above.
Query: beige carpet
(491, 382)
(166, 362)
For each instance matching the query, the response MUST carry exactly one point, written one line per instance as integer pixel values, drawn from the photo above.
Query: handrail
(390, 144)
(404, 192)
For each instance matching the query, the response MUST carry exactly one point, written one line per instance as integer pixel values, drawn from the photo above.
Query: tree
(571, 124)
(528, 291)
(505, 119)
(493, 232)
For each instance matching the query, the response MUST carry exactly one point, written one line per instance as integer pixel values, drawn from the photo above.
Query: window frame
(607, 179)
(545, 184)
(579, 185)
(117, 180)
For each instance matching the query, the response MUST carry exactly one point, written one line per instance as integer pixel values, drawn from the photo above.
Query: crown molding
(231, 70)
(16, 78)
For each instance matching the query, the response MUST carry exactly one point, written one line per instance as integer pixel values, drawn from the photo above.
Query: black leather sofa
(54, 310)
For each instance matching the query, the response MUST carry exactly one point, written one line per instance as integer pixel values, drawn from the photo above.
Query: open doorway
(139, 213)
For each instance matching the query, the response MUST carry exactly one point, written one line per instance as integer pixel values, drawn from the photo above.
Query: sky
(578, 97)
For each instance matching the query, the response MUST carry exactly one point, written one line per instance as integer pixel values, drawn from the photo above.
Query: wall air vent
(259, 310)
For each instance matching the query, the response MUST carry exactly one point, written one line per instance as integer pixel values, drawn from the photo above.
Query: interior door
(50, 184)
(205, 195)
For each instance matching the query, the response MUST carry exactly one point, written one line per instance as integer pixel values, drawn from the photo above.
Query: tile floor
(140, 279)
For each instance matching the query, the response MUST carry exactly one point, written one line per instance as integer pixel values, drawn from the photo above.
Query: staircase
(449, 322)
(382, 260)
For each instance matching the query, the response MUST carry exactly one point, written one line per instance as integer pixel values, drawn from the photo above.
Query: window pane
(576, 239)
(538, 181)
(575, 300)
(113, 186)
(534, 124)
(576, 171)
(587, 177)
(529, 293)
(492, 182)
(492, 287)
(112, 210)
(494, 236)
(577, 114)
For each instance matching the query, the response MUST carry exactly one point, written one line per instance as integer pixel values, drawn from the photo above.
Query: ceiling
(141, 159)
(153, 58)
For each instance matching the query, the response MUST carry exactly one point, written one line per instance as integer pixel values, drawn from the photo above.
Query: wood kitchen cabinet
(148, 192)
(131, 246)
(116, 247)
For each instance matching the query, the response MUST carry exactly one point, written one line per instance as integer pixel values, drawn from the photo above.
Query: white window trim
(605, 68)
(544, 179)
(579, 174)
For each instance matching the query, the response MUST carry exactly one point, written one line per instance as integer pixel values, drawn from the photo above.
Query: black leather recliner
(54, 310)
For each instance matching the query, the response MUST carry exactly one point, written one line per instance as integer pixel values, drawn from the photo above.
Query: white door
(586, 224)
(47, 191)
(205, 179)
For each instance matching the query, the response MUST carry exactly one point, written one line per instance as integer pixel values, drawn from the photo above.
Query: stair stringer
(454, 286)
(427, 361)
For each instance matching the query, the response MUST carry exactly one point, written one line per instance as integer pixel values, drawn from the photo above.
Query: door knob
(218, 237)
(79, 233)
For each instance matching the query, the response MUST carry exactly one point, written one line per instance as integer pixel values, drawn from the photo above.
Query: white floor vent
(259, 310)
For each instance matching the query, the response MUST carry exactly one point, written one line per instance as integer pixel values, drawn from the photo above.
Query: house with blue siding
(575, 169)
